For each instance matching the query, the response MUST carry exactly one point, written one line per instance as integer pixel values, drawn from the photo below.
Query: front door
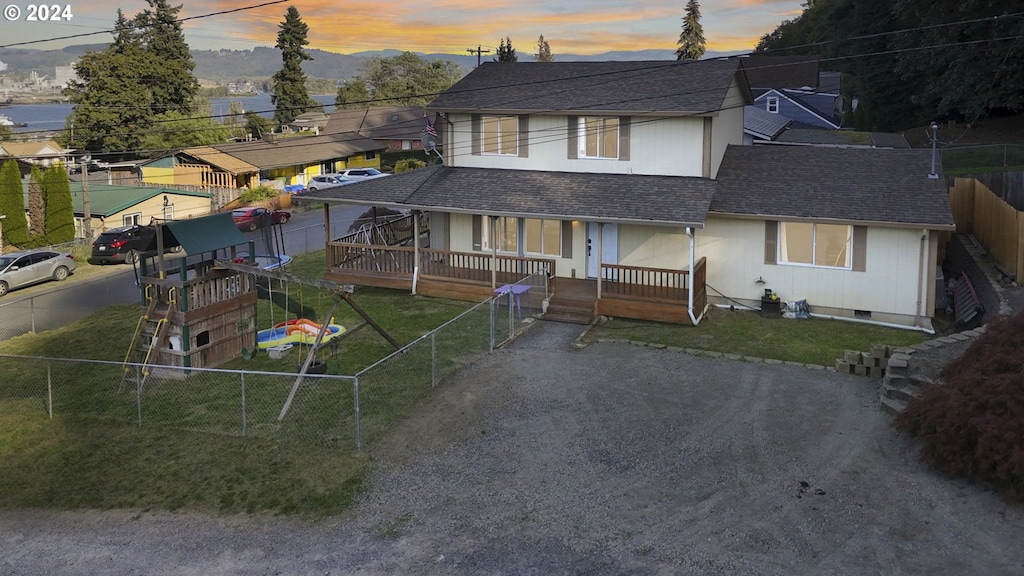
(609, 238)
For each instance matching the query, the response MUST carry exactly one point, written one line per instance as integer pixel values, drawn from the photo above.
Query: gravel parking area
(611, 460)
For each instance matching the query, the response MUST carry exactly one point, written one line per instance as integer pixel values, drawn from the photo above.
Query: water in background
(42, 118)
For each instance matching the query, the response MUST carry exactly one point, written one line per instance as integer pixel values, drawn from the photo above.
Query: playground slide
(298, 331)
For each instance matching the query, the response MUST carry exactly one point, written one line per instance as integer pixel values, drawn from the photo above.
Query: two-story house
(629, 183)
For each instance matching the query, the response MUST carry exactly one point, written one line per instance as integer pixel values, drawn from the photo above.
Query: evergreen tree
(173, 84)
(290, 96)
(60, 212)
(12, 204)
(256, 126)
(506, 53)
(691, 40)
(543, 51)
(36, 203)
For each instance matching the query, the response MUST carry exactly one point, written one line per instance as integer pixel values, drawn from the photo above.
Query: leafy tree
(12, 203)
(173, 84)
(543, 51)
(506, 53)
(174, 130)
(36, 203)
(691, 40)
(290, 96)
(6, 133)
(407, 79)
(406, 164)
(256, 126)
(60, 212)
(352, 94)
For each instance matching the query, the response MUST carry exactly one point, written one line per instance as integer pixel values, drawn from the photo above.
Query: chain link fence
(326, 410)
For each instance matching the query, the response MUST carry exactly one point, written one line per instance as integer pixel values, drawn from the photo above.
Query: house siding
(792, 110)
(653, 247)
(888, 288)
(727, 126)
(460, 229)
(659, 146)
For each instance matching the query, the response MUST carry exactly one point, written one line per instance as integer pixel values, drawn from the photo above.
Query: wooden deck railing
(399, 261)
(653, 283)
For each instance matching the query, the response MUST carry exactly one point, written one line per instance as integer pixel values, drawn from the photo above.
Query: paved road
(611, 460)
(52, 305)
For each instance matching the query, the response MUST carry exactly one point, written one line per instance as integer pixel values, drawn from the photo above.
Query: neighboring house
(395, 127)
(807, 107)
(273, 160)
(202, 166)
(629, 183)
(46, 153)
(111, 206)
(314, 122)
(843, 138)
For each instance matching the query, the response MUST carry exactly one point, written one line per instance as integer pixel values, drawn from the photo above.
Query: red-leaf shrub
(972, 423)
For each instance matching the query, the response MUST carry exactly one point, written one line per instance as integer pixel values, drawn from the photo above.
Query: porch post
(415, 248)
(494, 253)
(327, 234)
(600, 256)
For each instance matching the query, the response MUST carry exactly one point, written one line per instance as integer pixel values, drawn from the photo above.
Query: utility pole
(478, 52)
(87, 220)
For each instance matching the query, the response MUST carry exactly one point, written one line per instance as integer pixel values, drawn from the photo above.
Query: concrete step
(904, 393)
(892, 405)
(570, 317)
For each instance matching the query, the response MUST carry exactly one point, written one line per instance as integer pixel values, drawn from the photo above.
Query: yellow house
(111, 206)
(46, 153)
(202, 167)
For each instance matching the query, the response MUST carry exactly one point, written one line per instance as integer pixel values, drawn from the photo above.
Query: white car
(362, 173)
(328, 181)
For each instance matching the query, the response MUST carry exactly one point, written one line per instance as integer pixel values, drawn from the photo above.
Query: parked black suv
(126, 244)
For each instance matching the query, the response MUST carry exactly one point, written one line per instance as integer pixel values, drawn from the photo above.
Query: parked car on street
(363, 173)
(126, 244)
(19, 269)
(327, 181)
(249, 219)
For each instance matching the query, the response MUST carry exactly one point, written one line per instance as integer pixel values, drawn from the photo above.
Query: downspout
(922, 272)
(600, 257)
(415, 248)
(494, 253)
(689, 281)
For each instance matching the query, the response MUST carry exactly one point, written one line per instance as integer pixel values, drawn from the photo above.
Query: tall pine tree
(173, 84)
(12, 204)
(543, 51)
(691, 40)
(506, 53)
(290, 96)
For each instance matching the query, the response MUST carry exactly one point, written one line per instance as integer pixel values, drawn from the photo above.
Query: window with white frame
(772, 104)
(133, 219)
(499, 135)
(598, 137)
(526, 236)
(819, 245)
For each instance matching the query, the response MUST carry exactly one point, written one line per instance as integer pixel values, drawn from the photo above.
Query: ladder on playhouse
(150, 334)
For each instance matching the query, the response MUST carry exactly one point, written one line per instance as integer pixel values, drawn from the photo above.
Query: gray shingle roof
(669, 200)
(763, 124)
(299, 150)
(662, 87)
(848, 184)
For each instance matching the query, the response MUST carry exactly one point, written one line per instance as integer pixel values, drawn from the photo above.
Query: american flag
(430, 128)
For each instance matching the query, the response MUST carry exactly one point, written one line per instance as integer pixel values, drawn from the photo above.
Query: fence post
(433, 358)
(32, 312)
(49, 390)
(355, 393)
(138, 391)
(243, 406)
(494, 320)
(511, 315)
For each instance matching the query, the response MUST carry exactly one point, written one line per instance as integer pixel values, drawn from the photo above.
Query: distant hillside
(263, 61)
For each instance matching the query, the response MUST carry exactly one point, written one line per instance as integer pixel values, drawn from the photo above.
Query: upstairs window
(500, 134)
(598, 137)
(772, 104)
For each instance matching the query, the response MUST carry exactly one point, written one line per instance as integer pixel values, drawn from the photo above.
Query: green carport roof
(206, 234)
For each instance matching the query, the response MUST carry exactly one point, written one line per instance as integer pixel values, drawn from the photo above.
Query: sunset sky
(443, 26)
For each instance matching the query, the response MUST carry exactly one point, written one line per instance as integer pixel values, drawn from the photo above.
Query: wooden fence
(997, 225)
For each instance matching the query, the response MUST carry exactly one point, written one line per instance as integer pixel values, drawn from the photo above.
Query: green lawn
(811, 341)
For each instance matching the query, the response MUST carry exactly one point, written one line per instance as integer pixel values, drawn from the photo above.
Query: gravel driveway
(609, 460)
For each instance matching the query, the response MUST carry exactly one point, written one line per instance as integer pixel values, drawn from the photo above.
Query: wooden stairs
(572, 301)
